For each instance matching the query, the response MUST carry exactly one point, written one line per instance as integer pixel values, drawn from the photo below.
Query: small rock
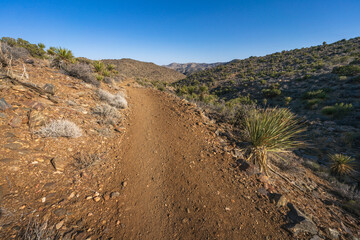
(59, 164)
(4, 105)
(299, 222)
(316, 237)
(29, 61)
(59, 225)
(96, 199)
(7, 160)
(106, 196)
(262, 191)
(90, 214)
(71, 195)
(60, 212)
(2, 115)
(124, 183)
(13, 146)
(333, 234)
(89, 197)
(49, 88)
(15, 122)
(36, 119)
(43, 199)
(282, 201)
(114, 194)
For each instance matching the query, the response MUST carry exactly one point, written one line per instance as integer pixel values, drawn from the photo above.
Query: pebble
(43, 199)
(71, 195)
(96, 199)
(114, 194)
(59, 225)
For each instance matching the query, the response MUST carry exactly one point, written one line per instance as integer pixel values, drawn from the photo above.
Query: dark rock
(7, 160)
(249, 168)
(299, 222)
(262, 191)
(4, 105)
(29, 61)
(49, 88)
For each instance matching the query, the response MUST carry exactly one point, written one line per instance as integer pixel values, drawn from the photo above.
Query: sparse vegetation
(118, 100)
(35, 50)
(338, 110)
(107, 113)
(63, 54)
(349, 70)
(85, 160)
(81, 71)
(341, 164)
(60, 128)
(271, 130)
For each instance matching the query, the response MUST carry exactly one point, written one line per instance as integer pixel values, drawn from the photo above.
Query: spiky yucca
(63, 53)
(99, 66)
(341, 164)
(271, 130)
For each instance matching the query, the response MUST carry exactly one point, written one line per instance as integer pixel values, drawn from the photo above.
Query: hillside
(129, 68)
(321, 84)
(188, 68)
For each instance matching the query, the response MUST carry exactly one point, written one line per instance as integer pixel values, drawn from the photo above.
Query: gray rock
(4, 105)
(299, 222)
(114, 194)
(60, 212)
(316, 237)
(2, 115)
(49, 88)
(29, 61)
(333, 234)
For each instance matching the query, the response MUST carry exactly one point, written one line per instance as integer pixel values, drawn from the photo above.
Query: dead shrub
(14, 52)
(118, 100)
(107, 113)
(60, 128)
(81, 71)
(37, 231)
(85, 160)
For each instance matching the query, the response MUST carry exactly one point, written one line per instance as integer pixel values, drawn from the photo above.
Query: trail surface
(178, 183)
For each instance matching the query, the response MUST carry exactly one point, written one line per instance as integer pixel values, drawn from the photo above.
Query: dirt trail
(177, 182)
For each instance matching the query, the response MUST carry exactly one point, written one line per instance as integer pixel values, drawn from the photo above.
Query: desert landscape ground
(123, 149)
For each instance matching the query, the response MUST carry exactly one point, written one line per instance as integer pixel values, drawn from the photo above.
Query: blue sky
(180, 31)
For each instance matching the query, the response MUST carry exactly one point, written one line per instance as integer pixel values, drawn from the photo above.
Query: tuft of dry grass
(60, 128)
(85, 160)
(107, 113)
(117, 100)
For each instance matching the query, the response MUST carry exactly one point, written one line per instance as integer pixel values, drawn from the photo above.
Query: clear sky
(180, 31)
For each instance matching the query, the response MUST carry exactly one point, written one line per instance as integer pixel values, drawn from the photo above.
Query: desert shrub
(349, 70)
(60, 128)
(85, 160)
(51, 51)
(99, 77)
(13, 52)
(99, 66)
(271, 130)
(338, 110)
(35, 50)
(287, 100)
(35, 230)
(81, 71)
(108, 113)
(313, 103)
(63, 53)
(341, 164)
(321, 93)
(110, 67)
(106, 73)
(271, 92)
(118, 100)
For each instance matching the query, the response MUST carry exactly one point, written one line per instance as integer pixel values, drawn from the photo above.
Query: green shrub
(337, 110)
(349, 70)
(63, 53)
(106, 73)
(287, 100)
(321, 93)
(99, 66)
(271, 92)
(35, 50)
(341, 164)
(313, 103)
(271, 130)
(110, 67)
(99, 77)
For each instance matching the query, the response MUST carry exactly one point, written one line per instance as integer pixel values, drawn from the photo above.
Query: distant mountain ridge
(130, 68)
(188, 68)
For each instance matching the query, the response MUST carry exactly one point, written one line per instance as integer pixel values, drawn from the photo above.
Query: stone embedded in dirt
(299, 222)
(333, 233)
(106, 196)
(49, 88)
(4, 105)
(58, 163)
(29, 61)
(59, 225)
(15, 122)
(263, 191)
(124, 184)
(114, 194)
(96, 199)
(249, 168)
(71, 195)
(36, 119)
(60, 212)
(282, 201)
(8, 160)
(316, 237)
(13, 146)
(34, 105)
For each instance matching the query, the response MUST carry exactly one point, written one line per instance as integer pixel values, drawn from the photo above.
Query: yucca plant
(341, 164)
(99, 66)
(63, 53)
(271, 130)
(110, 67)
